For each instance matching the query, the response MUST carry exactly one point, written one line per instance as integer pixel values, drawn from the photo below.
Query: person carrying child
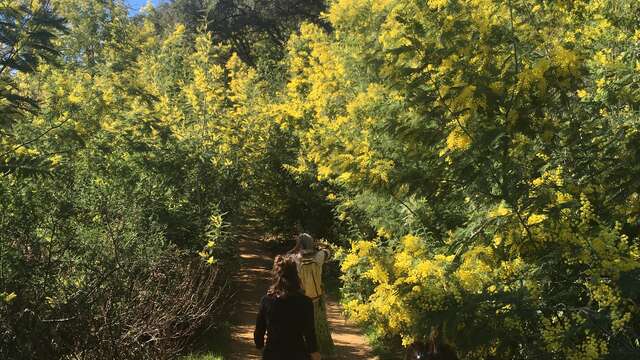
(310, 261)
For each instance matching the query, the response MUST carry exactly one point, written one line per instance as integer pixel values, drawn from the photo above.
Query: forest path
(252, 281)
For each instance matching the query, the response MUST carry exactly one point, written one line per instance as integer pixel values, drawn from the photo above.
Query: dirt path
(252, 280)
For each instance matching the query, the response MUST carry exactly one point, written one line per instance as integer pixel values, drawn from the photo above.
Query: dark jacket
(289, 325)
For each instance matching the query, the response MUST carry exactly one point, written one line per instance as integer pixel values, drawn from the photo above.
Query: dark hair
(285, 277)
(435, 349)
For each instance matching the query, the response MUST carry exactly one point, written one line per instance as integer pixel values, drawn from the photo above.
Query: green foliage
(27, 33)
(208, 356)
(254, 29)
(101, 238)
(480, 157)
(485, 153)
(109, 200)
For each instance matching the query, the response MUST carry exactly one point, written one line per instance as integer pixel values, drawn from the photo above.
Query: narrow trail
(252, 281)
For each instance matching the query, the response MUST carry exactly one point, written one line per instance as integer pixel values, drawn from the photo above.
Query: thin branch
(58, 320)
(404, 205)
(36, 138)
(515, 60)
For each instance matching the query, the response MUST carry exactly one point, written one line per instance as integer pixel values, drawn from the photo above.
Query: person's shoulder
(266, 299)
(322, 255)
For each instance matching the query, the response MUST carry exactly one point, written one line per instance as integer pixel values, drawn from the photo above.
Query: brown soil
(252, 281)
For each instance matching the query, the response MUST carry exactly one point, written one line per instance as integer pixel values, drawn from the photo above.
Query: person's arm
(261, 325)
(327, 254)
(310, 327)
(295, 250)
(322, 256)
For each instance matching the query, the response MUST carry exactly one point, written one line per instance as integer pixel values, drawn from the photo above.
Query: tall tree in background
(27, 31)
(251, 28)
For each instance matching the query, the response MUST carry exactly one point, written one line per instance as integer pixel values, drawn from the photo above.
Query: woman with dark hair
(286, 316)
(310, 262)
